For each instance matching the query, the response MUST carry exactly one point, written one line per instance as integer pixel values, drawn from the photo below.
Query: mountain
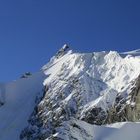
(76, 96)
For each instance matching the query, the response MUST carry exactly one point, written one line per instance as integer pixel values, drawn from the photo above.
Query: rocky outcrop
(126, 109)
(95, 116)
(2, 94)
(62, 51)
(33, 131)
(26, 75)
(133, 109)
(51, 112)
(73, 130)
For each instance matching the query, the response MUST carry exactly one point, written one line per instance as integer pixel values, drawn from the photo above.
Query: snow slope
(79, 130)
(19, 102)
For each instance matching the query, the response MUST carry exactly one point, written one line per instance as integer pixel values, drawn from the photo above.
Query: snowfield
(19, 101)
(80, 130)
(76, 82)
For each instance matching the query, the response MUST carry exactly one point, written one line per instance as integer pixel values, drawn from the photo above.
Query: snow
(101, 77)
(133, 53)
(102, 74)
(75, 129)
(87, 79)
(55, 67)
(126, 131)
(19, 102)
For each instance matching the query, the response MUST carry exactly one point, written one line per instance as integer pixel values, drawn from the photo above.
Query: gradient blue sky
(31, 31)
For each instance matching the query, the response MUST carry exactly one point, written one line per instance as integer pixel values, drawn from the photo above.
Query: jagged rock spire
(65, 47)
(62, 51)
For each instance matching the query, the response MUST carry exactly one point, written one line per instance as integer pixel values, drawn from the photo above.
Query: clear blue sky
(32, 31)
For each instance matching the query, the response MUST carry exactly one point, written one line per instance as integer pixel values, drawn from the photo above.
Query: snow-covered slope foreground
(79, 130)
(18, 99)
(80, 91)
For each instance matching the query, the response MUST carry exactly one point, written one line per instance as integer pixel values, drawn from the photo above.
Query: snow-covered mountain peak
(65, 48)
(96, 79)
(109, 67)
(83, 86)
(86, 85)
(60, 53)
